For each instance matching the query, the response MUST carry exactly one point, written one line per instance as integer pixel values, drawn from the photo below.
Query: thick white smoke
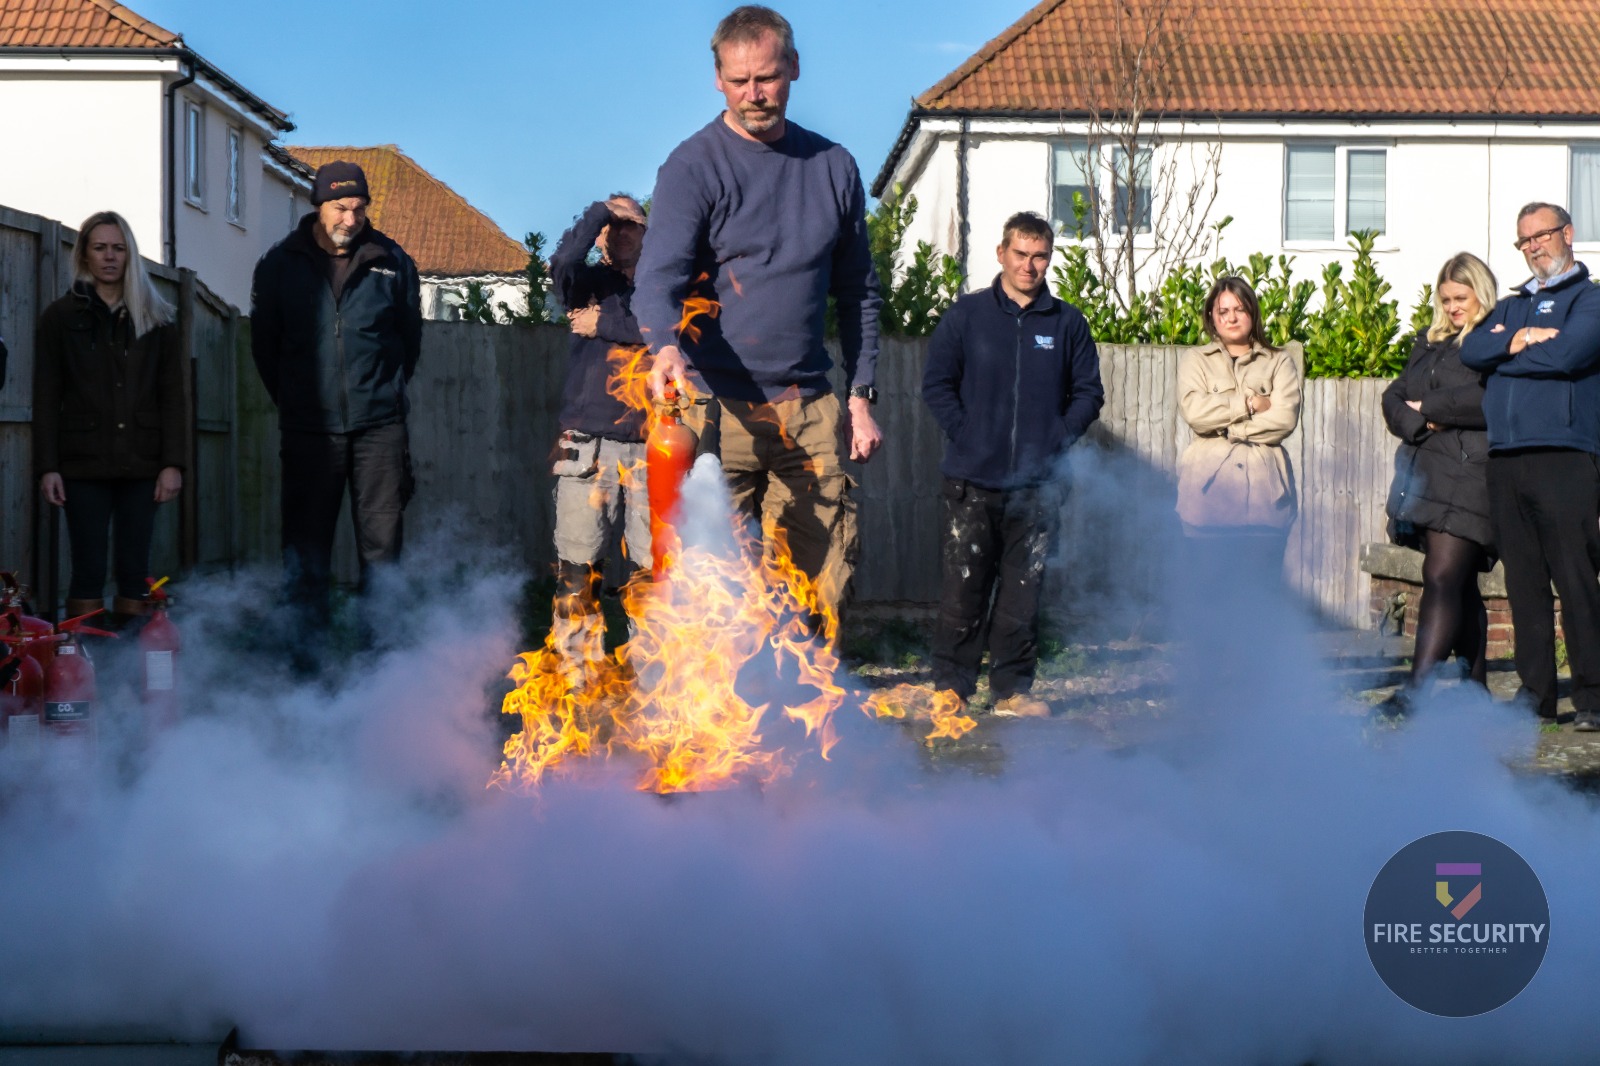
(322, 865)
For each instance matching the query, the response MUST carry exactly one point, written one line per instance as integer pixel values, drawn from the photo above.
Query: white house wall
(440, 296)
(221, 251)
(85, 134)
(1449, 188)
(74, 145)
(937, 217)
(285, 199)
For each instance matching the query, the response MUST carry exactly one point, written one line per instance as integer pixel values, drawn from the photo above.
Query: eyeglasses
(1538, 238)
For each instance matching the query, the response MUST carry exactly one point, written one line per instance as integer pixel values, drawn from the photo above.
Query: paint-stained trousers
(1545, 505)
(784, 462)
(995, 547)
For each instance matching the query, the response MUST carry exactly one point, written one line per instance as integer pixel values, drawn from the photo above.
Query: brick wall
(1386, 610)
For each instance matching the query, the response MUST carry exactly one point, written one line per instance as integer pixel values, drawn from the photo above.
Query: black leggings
(1451, 617)
(92, 508)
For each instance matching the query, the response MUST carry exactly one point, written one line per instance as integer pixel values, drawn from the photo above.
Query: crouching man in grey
(1013, 379)
(599, 461)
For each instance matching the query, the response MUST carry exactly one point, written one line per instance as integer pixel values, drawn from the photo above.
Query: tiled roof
(78, 24)
(96, 24)
(1296, 57)
(445, 235)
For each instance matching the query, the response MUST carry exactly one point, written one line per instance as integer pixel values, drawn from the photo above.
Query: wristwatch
(864, 392)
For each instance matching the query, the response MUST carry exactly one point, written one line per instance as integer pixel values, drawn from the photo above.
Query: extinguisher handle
(77, 625)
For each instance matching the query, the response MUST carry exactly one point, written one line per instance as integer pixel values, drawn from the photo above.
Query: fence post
(230, 367)
(189, 501)
(46, 577)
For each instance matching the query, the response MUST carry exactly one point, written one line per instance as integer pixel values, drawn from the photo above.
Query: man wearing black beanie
(336, 329)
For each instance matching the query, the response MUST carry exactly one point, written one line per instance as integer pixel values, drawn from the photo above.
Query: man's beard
(1556, 266)
(758, 121)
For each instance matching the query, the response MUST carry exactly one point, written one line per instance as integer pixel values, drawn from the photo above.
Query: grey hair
(749, 24)
(146, 306)
(1561, 213)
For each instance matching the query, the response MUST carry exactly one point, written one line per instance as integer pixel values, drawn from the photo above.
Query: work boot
(126, 611)
(80, 607)
(1021, 705)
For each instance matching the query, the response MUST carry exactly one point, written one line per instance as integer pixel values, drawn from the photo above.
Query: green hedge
(1355, 330)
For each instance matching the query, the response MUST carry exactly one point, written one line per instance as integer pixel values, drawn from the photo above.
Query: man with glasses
(336, 329)
(1540, 348)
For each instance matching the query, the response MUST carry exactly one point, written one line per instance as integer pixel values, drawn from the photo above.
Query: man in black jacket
(1013, 379)
(336, 329)
(599, 461)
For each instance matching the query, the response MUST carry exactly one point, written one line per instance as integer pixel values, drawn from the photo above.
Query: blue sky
(532, 109)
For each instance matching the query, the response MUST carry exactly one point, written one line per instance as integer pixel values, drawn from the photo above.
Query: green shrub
(913, 298)
(1354, 331)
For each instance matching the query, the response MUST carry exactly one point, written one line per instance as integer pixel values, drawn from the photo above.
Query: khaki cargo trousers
(784, 462)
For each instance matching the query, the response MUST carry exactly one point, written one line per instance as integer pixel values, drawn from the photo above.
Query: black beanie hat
(337, 180)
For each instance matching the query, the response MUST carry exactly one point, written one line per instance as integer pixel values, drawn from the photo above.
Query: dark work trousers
(996, 544)
(1545, 506)
(376, 465)
(92, 507)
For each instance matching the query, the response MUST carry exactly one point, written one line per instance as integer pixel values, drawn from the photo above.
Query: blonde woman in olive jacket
(1241, 397)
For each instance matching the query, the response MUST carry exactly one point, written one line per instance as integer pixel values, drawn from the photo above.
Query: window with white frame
(235, 175)
(1334, 189)
(1094, 174)
(194, 171)
(1583, 193)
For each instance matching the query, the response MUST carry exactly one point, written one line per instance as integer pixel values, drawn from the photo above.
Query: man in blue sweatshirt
(1540, 347)
(766, 220)
(1013, 379)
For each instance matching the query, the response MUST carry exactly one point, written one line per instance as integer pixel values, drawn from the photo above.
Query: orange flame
(943, 709)
(670, 695)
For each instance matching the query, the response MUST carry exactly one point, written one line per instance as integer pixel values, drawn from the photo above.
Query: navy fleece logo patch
(1545, 307)
(1043, 341)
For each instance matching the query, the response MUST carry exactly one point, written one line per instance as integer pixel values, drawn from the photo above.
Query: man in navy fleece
(1013, 379)
(768, 219)
(1540, 348)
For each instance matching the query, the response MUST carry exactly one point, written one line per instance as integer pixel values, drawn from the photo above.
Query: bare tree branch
(1128, 116)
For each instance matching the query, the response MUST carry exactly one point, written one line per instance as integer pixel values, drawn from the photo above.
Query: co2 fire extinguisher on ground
(669, 455)
(159, 643)
(70, 692)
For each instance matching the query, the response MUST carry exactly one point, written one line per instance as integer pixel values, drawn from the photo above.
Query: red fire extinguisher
(21, 701)
(669, 455)
(159, 643)
(69, 685)
(30, 634)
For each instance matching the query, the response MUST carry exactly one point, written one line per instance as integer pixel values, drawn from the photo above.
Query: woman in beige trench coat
(1241, 397)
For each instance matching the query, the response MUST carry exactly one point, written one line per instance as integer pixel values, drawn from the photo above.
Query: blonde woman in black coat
(1439, 502)
(110, 415)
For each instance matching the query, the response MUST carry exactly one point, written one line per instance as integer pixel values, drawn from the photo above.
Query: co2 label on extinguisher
(66, 712)
(158, 672)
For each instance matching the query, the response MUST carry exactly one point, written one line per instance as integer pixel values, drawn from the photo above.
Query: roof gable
(79, 24)
(96, 26)
(1293, 57)
(444, 234)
